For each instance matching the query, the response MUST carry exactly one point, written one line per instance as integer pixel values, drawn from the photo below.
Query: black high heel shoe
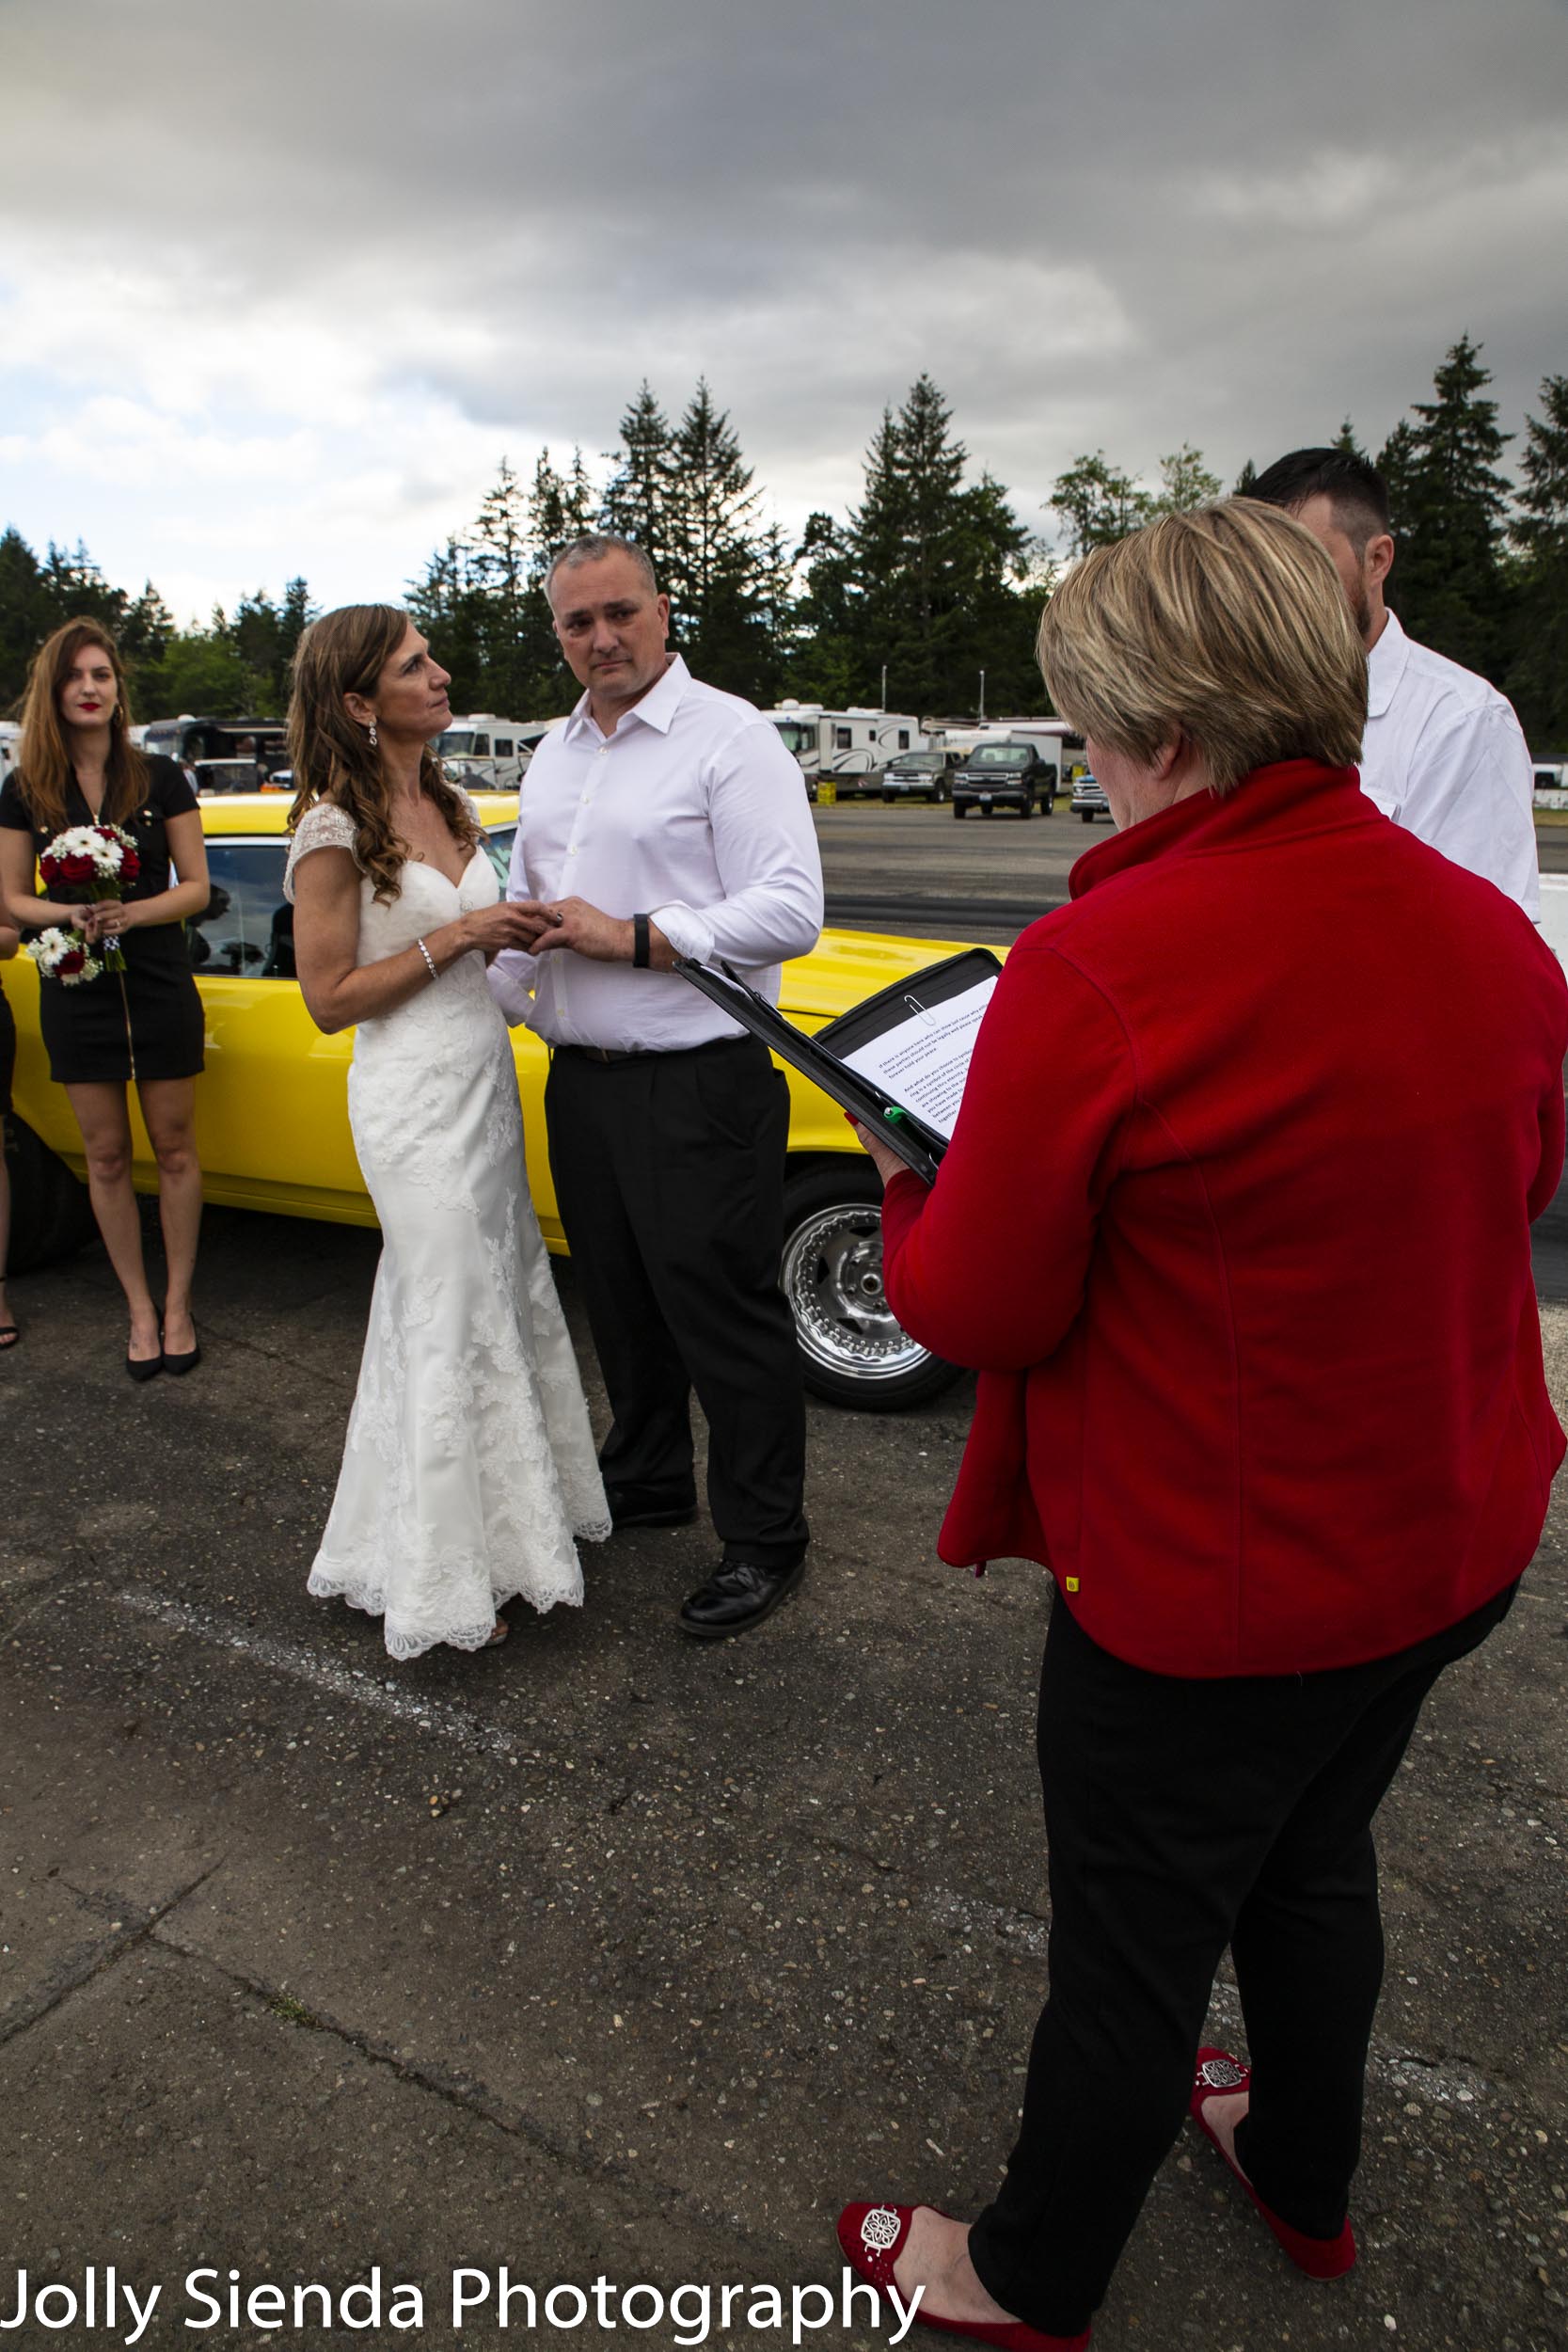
(145, 1367)
(179, 1364)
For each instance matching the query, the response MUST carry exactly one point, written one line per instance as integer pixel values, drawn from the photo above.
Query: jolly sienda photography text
(208, 2302)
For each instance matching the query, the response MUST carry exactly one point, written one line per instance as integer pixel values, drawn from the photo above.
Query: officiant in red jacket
(1235, 1226)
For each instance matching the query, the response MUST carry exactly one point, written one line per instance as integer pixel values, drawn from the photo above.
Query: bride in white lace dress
(469, 1472)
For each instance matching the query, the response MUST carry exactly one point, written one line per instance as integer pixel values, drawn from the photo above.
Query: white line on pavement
(970, 1913)
(302, 1665)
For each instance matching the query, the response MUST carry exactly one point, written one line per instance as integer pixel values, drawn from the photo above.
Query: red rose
(130, 865)
(76, 868)
(70, 963)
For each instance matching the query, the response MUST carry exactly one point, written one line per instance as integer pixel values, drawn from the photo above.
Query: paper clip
(923, 1011)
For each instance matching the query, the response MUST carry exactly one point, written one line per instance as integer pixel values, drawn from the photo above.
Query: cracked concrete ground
(608, 1953)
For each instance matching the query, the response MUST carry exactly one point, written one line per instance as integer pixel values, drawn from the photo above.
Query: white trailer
(10, 736)
(850, 746)
(489, 753)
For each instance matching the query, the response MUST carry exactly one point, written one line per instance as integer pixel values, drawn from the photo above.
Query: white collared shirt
(692, 812)
(1445, 756)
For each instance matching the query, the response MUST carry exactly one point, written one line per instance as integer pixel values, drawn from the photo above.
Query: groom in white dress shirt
(667, 819)
(1444, 755)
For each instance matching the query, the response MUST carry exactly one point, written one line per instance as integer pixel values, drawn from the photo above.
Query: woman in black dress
(78, 767)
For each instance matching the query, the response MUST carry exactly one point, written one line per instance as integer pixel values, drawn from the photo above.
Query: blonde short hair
(1228, 626)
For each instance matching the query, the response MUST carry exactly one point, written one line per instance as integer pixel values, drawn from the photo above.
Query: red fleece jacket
(1235, 1225)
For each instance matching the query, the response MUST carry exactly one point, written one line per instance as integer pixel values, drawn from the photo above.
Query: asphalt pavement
(611, 1955)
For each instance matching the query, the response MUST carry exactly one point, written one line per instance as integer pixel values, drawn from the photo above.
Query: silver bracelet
(428, 957)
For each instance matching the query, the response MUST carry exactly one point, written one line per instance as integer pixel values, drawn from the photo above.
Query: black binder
(818, 1058)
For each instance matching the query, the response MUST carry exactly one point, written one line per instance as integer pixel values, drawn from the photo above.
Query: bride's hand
(504, 925)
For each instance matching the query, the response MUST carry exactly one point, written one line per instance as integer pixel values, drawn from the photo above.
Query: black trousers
(1181, 1816)
(669, 1175)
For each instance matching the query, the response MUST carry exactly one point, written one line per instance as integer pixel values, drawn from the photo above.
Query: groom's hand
(604, 938)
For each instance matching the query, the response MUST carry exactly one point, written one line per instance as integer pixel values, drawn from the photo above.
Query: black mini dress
(8, 1052)
(98, 1033)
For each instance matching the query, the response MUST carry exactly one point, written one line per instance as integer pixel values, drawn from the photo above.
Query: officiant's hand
(887, 1163)
(604, 938)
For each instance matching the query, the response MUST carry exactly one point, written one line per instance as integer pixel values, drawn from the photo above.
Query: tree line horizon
(929, 580)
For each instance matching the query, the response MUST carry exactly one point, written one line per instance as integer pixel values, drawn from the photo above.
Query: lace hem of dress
(405, 1641)
(599, 1531)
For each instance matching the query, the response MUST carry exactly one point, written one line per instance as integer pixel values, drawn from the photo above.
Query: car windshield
(455, 743)
(1000, 756)
(495, 841)
(919, 761)
(795, 737)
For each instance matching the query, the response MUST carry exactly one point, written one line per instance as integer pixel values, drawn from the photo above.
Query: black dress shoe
(737, 1595)
(628, 1508)
(183, 1363)
(144, 1367)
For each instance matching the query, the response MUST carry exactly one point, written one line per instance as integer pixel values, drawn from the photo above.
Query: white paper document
(923, 1061)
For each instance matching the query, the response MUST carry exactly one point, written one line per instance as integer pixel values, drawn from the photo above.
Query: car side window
(497, 841)
(248, 926)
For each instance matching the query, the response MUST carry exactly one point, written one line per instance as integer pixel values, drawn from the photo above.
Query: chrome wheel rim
(831, 1275)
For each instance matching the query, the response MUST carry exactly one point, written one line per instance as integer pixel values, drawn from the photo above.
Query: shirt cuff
(686, 932)
(512, 993)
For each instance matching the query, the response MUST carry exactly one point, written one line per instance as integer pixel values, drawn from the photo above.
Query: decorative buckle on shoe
(880, 2230)
(1220, 2074)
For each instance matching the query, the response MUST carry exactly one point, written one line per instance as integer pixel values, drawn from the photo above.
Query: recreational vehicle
(851, 746)
(487, 754)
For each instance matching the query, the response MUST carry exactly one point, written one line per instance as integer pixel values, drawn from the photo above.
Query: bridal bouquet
(94, 860)
(63, 956)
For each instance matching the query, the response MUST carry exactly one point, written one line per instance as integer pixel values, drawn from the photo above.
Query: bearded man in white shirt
(1444, 755)
(665, 818)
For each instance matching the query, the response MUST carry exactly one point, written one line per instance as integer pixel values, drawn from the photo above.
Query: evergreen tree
(637, 497)
(1449, 503)
(25, 613)
(775, 616)
(1538, 678)
(710, 566)
(450, 611)
(499, 568)
(1346, 442)
(560, 509)
(823, 663)
(932, 569)
(1245, 482)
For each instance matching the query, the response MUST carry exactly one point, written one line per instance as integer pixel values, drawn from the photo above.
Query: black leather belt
(645, 1052)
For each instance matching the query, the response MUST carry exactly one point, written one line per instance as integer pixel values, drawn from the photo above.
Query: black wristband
(641, 947)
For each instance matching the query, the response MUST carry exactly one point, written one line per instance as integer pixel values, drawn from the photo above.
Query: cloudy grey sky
(279, 284)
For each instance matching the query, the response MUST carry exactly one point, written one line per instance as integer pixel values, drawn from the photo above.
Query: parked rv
(489, 754)
(199, 742)
(852, 747)
(10, 736)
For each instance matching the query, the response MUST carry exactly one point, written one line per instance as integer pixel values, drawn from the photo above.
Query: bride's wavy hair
(333, 758)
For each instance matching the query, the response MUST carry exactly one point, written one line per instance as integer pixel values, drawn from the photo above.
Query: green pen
(893, 1114)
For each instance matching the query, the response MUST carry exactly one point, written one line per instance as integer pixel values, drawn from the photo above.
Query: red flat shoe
(1219, 2075)
(872, 2238)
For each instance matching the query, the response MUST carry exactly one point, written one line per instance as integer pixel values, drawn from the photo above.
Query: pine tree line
(930, 579)
(239, 662)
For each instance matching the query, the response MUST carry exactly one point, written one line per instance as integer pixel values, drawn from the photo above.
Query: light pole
(982, 698)
(884, 685)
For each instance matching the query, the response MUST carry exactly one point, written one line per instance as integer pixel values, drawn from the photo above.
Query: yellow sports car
(272, 1115)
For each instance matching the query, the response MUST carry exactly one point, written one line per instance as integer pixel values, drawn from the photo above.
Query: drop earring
(374, 737)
